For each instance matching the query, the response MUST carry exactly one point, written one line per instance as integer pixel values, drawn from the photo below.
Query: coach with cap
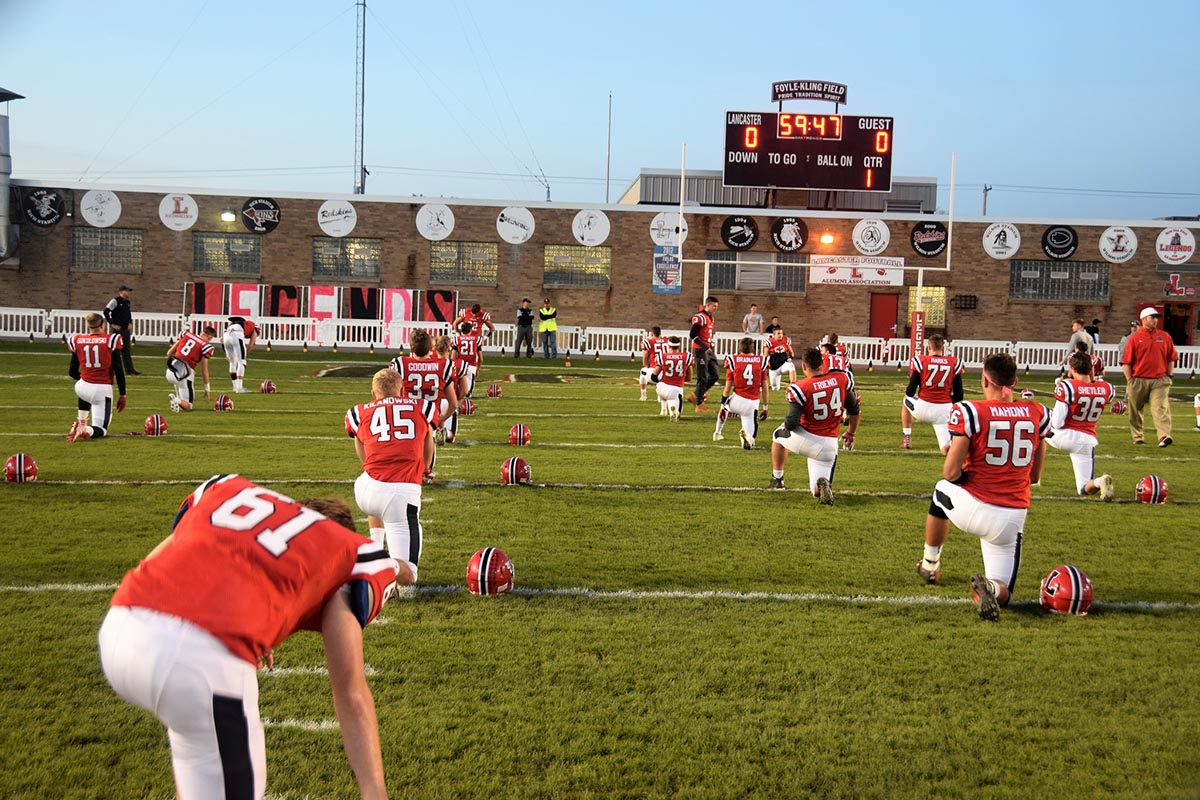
(1149, 364)
(119, 314)
(524, 329)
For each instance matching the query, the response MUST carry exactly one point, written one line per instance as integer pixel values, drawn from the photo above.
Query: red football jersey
(937, 377)
(249, 328)
(1004, 437)
(1097, 367)
(832, 361)
(747, 372)
(251, 567)
(392, 431)
(467, 345)
(822, 401)
(707, 324)
(1085, 402)
(477, 320)
(96, 352)
(675, 367)
(458, 370)
(191, 348)
(424, 378)
(656, 346)
(778, 351)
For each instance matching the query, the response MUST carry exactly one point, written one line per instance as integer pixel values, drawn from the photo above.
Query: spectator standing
(548, 329)
(119, 314)
(1148, 362)
(1133, 328)
(524, 329)
(1093, 331)
(1078, 334)
(774, 326)
(752, 323)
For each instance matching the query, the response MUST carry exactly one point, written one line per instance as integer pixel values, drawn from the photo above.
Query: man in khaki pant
(1149, 363)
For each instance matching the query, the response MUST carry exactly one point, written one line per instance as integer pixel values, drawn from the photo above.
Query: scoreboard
(808, 151)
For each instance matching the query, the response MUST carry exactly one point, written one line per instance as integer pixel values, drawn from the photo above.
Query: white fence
(353, 334)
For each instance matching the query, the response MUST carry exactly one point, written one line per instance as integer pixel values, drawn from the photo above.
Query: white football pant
(182, 377)
(821, 452)
(775, 376)
(935, 414)
(1082, 448)
(472, 371)
(234, 342)
(746, 410)
(399, 506)
(100, 398)
(998, 528)
(670, 396)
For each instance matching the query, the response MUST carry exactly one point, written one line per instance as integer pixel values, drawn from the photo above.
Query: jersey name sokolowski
(96, 352)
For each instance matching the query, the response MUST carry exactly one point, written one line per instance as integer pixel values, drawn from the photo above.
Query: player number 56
(1011, 443)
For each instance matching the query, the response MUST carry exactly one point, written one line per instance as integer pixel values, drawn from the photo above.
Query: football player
(242, 570)
(468, 348)
(934, 386)
(1079, 401)
(1196, 403)
(458, 380)
(238, 340)
(393, 436)
(831, 359)
(815, 408)
(1097, 361)
(427, 375)
(94, 363)
(478, 318)
(778, 349)
(996, 450)
(705, 357)
(745, 381)
(188, 352)
(653, 346)
(673, 371)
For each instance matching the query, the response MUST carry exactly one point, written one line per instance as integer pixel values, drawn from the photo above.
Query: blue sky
(469, 99)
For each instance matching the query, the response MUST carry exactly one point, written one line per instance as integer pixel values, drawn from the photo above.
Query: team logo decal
(739, 233)
(1060, 241)
(667, 229)
(43, 207)
(178, 211)
(515, 225)
(1175, 245)
(789, 234)
(929, 239)
(337, 217)
(435, 221)
(260, 215)
(590, 227)
(1001, 240)
(871, 237)
(100, 208)
(1118, 244)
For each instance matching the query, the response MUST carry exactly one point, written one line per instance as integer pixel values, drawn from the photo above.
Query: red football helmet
(1067, 590)
(20, 469)
(494, 390)
(1117, 407)
(466, 407)
(156, 425)
(515, 471)
(223, 403)
(1151, 489)
(267, 387)
(519, 435)
(1027, 394)
(489, 572)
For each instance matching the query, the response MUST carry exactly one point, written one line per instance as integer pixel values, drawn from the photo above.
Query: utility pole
(608, 152)
(360, 97)
(986, 189)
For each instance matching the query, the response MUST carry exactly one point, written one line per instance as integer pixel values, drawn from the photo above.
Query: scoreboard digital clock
(808, 151)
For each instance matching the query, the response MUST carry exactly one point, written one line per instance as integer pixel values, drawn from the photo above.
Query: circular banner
(739, 232)
(1118, 244)
(100, 208)
(178, 211)
(871, 236)
(590, 227)
(1175, 245)
(929, 239)
(515, 225)
(43, 207)
(789, 234)
(667, 230)
(1001, 240)
(435, 221)
(337, 217)
(260, 215)
(1060, 241)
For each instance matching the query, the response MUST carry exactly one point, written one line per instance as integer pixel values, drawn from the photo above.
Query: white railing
(29, 321)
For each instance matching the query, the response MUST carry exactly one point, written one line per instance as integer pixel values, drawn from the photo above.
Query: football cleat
(439, 436)
(674, 415)
(515, 471)
(1067, 590)
(267, 387)
(906, 444)
(930, 576)
(777, 483)
(490, 571)
(747, 442)
(1152, 490)
(691, 398)
(494, 390)
(1105, 482)
(223, 403)
(519, 435)
(20, 468)
(174, 400)
(1118, 407)
(428, 477)
(985, 598)
(156, 425)
(824, 492)
(467, 407)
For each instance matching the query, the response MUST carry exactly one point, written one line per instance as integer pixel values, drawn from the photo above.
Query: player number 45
(398, 427)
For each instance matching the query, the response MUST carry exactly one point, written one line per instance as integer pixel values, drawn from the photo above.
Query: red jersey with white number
(467, 345)
(249, 328)
(1097, 367)
(778, 351)
(458, 371)
(392, 431)
(747, 372)
(822, 401)
(96, 352)
(937, 377)
(832, 361)
(656, 346)
(1084, 401)
(477, 320)
(251, 567)
(707, 325)
(424, 378)
(191, 348)
(1004, 437)
(675, 368)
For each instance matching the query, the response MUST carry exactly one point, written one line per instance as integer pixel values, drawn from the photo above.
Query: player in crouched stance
(1079, 401)
(188, 352)
(934, 386)
(996, 450)
(815, 408)
(95, 361)
(745, 377)
(243, 569)
(674, 369)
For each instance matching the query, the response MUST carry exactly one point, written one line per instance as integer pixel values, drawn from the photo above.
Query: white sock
(933, 554)
(83, 415)
(907, 431)
(776, 473)
(377, 535)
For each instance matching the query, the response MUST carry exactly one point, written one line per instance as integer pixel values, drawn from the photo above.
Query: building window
(933, 303)
(463, 262)
(355, 259)
(756, 272)
(573, 265)
(106, 249)
(216, 253)
(1076, 281)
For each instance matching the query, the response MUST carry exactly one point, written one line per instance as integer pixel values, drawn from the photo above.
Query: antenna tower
(360, 88)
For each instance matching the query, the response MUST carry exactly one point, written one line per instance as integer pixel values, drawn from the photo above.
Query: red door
(884, 308)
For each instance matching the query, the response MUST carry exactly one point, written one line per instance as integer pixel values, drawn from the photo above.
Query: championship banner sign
(856, 270)
(668, 271)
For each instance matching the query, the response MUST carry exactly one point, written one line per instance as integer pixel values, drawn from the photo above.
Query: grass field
(678, 630)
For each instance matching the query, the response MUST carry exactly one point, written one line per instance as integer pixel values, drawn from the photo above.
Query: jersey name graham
(95, 352)
(1003, 439)
(392, 431)
(937, 374)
